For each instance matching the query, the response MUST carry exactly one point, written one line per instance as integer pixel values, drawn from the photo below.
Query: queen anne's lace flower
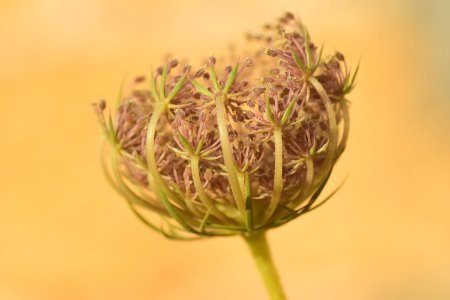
(232, 149)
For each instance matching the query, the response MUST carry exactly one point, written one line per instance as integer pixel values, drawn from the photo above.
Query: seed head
(235, 149)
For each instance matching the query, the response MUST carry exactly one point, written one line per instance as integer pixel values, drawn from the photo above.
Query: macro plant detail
(231, 149)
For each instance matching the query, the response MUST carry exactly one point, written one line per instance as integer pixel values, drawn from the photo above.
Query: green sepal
(318, 61)
(350, 84)
(177, 88)
(111, 130)
(185, 143)
(204, 220)
(142, 218)
(173, 232)
(326, 198)
(320, 189)
(230, 228)
(201, 89)
(288, 112)
(298, 62)
(178, 152)
(231, 78)
(199, 146)
(176, 237)
(308, 52)
(172, 212)
(296, 213)
(214, 78)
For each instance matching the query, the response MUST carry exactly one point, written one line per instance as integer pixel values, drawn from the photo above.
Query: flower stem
(278, 174)
(236, 189)
(194, 160)
(259, 248)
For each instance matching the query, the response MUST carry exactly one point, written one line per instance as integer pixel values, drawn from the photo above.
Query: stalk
(332, 142)
(156, 182)
(201, 192)
(259, 248)
(228, 156)
(154, 176)
(278, 176)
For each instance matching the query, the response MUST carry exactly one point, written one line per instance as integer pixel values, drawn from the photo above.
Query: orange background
(64, 233)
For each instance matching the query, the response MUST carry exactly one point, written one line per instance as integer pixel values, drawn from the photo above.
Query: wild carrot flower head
(231, 148)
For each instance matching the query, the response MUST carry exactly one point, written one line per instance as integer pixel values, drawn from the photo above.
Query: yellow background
(64, 234)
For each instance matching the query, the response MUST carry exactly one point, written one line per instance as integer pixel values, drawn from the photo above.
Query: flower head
(233, 149)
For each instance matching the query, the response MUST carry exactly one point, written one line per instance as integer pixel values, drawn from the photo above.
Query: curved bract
(231, 149)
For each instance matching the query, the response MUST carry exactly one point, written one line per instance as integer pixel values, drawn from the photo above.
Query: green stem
(154, 176)
(259, 247)
(201, 192)
(346, 121)
(303, 190)
(278, 176)
(156, 182)
(228, 156)
(332, 141)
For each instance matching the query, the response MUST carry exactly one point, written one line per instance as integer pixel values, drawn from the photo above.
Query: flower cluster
(231, 149)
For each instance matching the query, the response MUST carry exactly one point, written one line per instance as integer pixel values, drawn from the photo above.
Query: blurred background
(65, 234)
